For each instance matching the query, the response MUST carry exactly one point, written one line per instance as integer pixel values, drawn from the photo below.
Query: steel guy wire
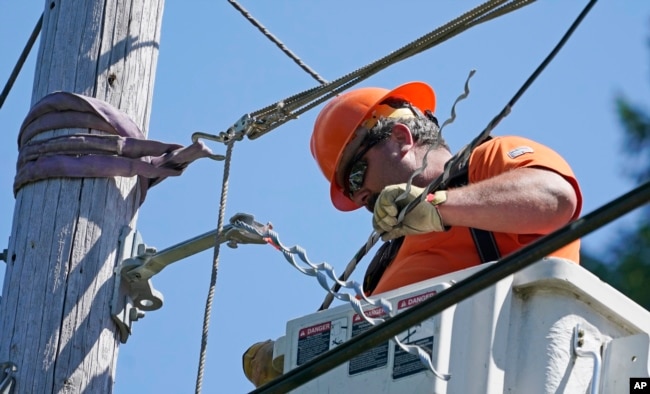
(268, 118)
(323, 271)
(21, 60)
(277, 42)
(435, 37)
(425, 42)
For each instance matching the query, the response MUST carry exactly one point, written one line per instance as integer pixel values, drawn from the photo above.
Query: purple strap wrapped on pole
(125, 152)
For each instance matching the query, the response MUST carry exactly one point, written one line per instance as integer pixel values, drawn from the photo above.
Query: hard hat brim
(419, 94)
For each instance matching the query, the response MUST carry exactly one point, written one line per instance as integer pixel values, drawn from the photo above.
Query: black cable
(21, 60)
(277, 42)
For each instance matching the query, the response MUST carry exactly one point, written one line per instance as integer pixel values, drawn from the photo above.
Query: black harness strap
(484, 242)
(384, 256)
(486, 245)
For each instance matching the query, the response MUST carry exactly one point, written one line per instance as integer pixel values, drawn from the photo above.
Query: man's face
(391, 161)
(370, 171)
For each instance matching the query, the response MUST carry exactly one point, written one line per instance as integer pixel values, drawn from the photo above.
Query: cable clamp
(137, 263)
(234, 133)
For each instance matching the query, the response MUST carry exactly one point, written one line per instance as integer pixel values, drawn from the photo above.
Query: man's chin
(370, 204)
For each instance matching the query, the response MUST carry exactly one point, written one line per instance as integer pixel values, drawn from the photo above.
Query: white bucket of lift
(516, 336)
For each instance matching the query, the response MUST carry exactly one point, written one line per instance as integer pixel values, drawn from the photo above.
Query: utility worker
(369, 142)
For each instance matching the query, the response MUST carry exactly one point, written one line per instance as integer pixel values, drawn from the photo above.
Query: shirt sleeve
(501, 154)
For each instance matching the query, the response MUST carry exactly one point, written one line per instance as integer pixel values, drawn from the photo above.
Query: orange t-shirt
(429, 255)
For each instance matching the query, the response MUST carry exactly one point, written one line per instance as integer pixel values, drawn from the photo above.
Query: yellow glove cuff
(258, 365)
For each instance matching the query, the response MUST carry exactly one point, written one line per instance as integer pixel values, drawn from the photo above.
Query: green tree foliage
(627, 263)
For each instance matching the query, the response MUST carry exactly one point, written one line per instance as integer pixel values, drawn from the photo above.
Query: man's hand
(257, 362)
(424, 218)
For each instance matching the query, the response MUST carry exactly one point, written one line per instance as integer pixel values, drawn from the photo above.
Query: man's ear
(402, 135)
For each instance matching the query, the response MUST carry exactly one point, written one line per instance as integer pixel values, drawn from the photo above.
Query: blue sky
(214, 67)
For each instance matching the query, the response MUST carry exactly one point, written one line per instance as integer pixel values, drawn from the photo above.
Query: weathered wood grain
(55, 322)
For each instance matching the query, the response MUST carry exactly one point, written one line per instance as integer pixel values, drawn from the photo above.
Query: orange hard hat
(337, 126)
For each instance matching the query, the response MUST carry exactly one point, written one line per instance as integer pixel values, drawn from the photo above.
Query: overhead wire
(21, 61)
(462, 156)
(262, 121)
(277, 42)
(270, 117)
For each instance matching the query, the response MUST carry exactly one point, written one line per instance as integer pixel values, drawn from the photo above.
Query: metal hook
(236, 132)
(195, 138)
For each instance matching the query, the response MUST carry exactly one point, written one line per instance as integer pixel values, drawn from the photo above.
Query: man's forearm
(524, 201)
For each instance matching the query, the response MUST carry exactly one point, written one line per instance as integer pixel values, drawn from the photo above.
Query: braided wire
(410, 49)
(276, 114)
(277, 42)
(215, 269)
(323, 271)
(424, 165)
(372, 239)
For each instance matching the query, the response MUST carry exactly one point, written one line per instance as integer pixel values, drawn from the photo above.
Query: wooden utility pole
(55, 322)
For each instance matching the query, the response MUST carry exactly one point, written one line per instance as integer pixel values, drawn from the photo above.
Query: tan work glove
(424, 217)
(257, 362)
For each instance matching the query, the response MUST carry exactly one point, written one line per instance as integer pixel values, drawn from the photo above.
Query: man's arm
(523, 201)
(520, 201)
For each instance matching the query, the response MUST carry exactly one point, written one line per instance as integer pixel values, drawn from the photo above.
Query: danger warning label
(317, 339)
(374, 358)
(421, 335)
(414, 300)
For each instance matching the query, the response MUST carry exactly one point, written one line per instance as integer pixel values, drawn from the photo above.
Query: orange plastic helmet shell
(336, 124)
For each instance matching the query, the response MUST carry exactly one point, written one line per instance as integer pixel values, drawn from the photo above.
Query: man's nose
(361, 197)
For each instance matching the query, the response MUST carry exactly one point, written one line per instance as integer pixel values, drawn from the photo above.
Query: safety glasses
(356, 172)
(356, 177)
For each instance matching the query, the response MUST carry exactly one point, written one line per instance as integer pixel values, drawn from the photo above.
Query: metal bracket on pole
(124, 307)
(133, 292)
(7, 379)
